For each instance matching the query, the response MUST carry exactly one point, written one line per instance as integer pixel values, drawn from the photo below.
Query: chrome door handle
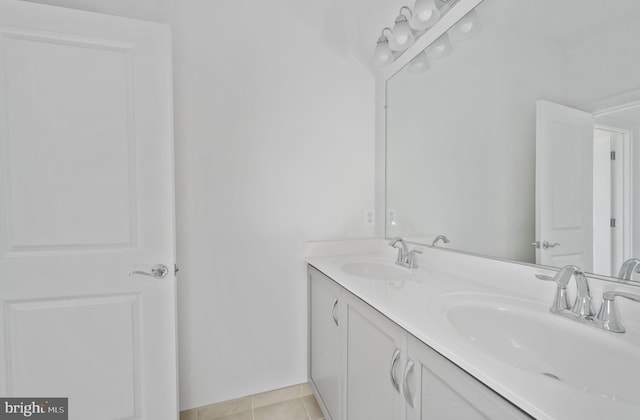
(333, 312)
(394, 361)
(546, 244)
(405, 383)
(158, 271)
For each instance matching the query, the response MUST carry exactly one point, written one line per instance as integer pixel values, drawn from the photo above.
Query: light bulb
(419, 64)
(467, 26)
(401, 35)
(382, 54)
(425, 14)
(440, 48)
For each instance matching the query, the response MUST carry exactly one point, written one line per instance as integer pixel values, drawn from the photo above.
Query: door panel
(564, 185)
(324, 351)
(373, 340)
(52, 207)
(86, 197)
(86, 324)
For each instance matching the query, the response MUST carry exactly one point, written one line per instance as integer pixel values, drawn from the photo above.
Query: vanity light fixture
(440, 48)
(401, 35)
(467, 26)
(382, 54)
(425, 14)
(412, 23)
(419, 64)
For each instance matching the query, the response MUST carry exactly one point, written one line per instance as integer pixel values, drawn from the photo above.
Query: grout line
(306, 408)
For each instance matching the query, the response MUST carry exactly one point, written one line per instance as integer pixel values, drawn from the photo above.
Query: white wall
(274, 115)
(274, 147)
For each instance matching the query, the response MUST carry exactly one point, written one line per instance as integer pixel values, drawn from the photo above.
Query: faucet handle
(561, 300)
(609, 315)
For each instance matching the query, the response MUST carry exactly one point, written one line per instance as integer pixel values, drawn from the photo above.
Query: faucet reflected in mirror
(439, 238)
(492, 164)
(629, 267)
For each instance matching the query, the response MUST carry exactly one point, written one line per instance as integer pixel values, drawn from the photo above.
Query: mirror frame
(382, 76)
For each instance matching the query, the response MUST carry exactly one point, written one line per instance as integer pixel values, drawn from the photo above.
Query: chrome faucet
(405, 257)
(438, 238)
(607, 318)
(629, 267)
(582, 307)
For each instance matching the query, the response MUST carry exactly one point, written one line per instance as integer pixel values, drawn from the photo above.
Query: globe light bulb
(425, 14)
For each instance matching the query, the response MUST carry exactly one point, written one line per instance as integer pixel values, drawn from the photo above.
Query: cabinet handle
(394, 361)
(405, 382)
(333, 311)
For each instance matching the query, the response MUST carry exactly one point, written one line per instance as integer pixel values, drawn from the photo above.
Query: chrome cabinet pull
(158, 271)
(536, 244)
(394, 361)
(333, 312)
(405, 382)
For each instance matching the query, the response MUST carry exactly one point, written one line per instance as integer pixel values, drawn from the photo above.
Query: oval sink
(525, 335)
(377, 270)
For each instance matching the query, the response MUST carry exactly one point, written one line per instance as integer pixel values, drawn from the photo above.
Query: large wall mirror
(517, 135)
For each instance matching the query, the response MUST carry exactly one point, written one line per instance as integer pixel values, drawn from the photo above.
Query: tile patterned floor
(292, 403)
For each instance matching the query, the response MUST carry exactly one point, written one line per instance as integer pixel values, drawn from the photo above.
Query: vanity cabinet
(435, 388)
(324, 340)
(374, 354)
(363, 366)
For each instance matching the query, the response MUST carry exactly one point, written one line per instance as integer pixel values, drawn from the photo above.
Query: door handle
(333, 312)
(405, 383)
(392, 371)
(158, 271)
(546, 244)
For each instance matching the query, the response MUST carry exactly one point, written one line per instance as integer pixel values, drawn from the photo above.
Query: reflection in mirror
(518, 138)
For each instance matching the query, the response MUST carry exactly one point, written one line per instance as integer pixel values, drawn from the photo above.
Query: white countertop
(417, 306)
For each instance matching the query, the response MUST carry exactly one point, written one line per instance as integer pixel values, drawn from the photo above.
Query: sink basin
(377, 270)
(525, 335)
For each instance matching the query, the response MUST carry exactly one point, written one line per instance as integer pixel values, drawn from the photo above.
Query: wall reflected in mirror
(516, 135)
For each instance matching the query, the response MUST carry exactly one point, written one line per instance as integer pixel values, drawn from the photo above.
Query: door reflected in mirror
(522, 141)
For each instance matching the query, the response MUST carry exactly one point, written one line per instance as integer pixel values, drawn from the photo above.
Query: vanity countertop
(419, 303)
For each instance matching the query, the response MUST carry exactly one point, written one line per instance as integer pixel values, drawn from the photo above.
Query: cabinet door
(324, 337)
(437, 389)
(374, 360)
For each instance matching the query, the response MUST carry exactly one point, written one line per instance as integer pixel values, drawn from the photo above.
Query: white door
(564, 186)
(86, 197)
